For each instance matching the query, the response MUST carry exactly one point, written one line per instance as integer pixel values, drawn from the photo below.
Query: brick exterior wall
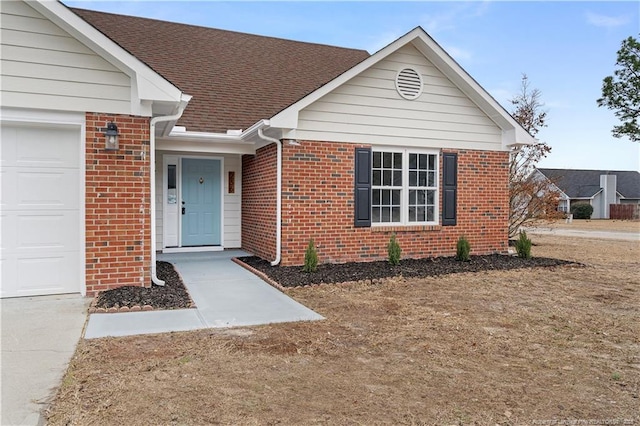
(117, 216)
(317, 202)
(259, 184)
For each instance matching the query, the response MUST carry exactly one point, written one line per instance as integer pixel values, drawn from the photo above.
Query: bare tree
(532, 197)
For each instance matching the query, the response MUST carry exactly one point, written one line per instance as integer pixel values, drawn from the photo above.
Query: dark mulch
(173, 295)
(294, 276)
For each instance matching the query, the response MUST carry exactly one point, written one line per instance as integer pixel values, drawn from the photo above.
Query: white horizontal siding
(44, 67)
(232, 202)
(368, 109)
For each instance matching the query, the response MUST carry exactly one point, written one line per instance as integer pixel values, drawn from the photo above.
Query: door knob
(184, 209)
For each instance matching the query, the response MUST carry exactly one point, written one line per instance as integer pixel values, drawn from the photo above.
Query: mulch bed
(173, 295)
(294, 276)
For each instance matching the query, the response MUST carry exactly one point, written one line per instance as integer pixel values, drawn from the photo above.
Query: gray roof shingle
(235, 79)
(586, 183)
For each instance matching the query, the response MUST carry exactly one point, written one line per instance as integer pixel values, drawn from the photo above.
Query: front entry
(201, 202)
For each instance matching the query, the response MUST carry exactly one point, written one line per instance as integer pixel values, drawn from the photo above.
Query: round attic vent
(409, 83)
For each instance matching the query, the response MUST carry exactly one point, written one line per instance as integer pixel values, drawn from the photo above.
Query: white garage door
(40, 227)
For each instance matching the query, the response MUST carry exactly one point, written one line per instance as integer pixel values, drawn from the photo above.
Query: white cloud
(605, 21)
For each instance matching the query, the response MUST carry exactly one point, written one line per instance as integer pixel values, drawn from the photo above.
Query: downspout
(152, 160)
(278, 143)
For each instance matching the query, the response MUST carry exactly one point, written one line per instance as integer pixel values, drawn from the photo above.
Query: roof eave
(147, 86)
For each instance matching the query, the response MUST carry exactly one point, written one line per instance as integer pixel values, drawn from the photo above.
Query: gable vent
(409, 83)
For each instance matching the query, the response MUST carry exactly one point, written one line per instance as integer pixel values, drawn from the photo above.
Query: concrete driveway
(39, 337)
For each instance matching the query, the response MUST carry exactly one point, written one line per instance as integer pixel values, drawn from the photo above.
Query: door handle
(183, 210)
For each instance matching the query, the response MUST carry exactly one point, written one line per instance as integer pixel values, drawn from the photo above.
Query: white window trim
(404, 194)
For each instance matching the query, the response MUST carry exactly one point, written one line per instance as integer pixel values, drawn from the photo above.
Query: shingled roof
(235, 79)
(586, 183)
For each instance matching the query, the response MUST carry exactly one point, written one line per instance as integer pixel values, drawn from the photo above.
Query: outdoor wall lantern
(111, 137)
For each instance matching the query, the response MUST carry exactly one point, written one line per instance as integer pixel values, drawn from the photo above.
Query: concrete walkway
(39, 337)
(226, 295)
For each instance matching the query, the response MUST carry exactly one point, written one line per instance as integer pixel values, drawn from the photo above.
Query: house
(125, 136)
(599, 188)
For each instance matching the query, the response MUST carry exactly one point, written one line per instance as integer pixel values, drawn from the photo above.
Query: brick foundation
(118, 229)
(317, 202)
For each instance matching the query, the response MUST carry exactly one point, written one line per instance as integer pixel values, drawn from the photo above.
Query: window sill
(406, 228)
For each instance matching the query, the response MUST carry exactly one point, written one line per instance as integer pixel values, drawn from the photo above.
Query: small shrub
(310, 257)
(523, 246)
(582, 211)
(394, 250)
(463, 248)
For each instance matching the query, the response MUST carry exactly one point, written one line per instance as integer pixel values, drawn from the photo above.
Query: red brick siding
(259, 176)
(318, 203)
(118, 229)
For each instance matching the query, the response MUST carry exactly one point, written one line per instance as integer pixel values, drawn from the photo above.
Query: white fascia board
(204, 142)
(146, 84)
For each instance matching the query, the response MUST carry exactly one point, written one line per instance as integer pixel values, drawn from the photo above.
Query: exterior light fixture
(111, 137)
(294, 142)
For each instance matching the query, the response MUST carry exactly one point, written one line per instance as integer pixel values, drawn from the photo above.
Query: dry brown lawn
(595, 225)
(518, 347)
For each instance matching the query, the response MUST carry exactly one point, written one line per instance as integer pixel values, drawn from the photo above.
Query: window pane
(432, 179)
(386, 214)
(412, 214)
(377, 160)
(413, 161)
(420, 214)
(430, 214)
(376, 197)
(431, 197)
(397, 178)
(375, 214)
(397, 160)
(413, 178)
(386, 160)
(432, 162)
(386, 197)
(423, 161)
(386, 177)
(395, 214)
(422, 178)
(377, 178)
(171, 176)
(412, 196)
(421, 196)
(395, 197)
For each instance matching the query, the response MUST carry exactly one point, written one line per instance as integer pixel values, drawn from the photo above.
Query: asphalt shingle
(586, 183)
(235, 79)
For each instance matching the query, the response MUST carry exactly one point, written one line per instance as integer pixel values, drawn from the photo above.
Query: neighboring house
(229, 140)
(599, 188)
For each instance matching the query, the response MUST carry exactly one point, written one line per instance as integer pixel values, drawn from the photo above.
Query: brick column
(117, 210)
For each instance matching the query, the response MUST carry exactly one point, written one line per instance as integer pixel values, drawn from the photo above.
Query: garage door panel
(38, 275)
(48, 231)
(46, 188)
(40, 146)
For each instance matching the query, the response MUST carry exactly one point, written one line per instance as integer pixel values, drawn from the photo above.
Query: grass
(508, 347)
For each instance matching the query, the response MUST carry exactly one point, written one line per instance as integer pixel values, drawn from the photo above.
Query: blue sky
(566, 49)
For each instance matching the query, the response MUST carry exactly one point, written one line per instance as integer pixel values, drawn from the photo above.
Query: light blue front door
(201, 202)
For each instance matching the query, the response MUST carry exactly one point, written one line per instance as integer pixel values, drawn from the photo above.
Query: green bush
(310, 257)
(394, 250)
(523, 246)
(463, 248)
(582, 210)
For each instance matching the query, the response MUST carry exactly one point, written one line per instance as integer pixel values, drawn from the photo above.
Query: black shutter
(362, 175)
(449, 188)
